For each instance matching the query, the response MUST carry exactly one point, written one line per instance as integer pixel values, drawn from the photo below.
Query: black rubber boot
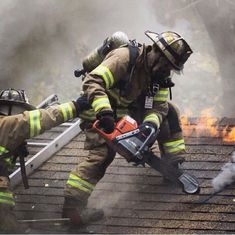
(172, 164)
(78, 212)
(174, 159)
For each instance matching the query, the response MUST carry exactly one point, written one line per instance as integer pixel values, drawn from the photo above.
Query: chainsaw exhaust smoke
(226, 177)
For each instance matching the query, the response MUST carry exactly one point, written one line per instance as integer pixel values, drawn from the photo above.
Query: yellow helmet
(172, 46)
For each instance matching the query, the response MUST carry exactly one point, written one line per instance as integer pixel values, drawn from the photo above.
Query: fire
(230, 136)
(206, 126)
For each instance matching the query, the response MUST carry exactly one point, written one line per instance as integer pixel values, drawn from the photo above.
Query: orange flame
(207, 126)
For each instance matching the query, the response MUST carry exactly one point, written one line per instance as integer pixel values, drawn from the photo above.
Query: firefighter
(117, 87)
(19, 121)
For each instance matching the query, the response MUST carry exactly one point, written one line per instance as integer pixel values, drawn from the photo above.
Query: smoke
(43, 41)
(226, 177)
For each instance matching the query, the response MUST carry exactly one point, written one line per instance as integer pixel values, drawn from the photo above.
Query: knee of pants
(95, 165)
(171, 126)
(170, 138)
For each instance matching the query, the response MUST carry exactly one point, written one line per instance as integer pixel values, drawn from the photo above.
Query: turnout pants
(86, 175)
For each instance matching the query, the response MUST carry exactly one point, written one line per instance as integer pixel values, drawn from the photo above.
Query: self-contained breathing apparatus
(120, 39)
(93, 59)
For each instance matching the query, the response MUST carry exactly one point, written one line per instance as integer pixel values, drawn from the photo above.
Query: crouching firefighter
(19, 121)
(133, 80)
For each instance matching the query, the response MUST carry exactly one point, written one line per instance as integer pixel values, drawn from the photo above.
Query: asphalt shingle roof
(135, 199)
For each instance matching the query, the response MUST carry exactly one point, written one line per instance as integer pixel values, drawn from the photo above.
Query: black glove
(81, 104)
(151, 124)
(146, 131)
(106, 121)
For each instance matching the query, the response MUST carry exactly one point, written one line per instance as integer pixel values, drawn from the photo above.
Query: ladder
(68, 131)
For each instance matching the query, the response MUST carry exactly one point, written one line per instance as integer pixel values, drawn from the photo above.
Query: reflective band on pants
(77, 182)
(174, 146)
(7, 198)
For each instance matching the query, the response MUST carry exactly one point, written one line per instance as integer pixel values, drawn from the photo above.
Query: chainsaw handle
(105, 135)
(149, 139)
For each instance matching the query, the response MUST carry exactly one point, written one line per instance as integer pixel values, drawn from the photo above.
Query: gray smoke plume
(226, 177)
(43, 41)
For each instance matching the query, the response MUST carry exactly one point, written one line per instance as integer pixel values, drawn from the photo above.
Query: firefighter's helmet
(13, 102)
(172, 46)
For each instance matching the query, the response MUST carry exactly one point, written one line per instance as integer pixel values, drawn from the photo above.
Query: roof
(135, 199)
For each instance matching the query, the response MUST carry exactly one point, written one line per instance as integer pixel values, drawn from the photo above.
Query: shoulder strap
(134, 52)
(124, 85)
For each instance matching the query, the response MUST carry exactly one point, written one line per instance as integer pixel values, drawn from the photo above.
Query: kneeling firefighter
(19, 121)
(133, 80)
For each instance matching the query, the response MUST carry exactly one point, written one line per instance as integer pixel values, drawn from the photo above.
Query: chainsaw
(134, 144)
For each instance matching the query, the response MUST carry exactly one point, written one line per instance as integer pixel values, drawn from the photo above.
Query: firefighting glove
(81, 104)
(147, 131)
(150, 124)
(106, 121)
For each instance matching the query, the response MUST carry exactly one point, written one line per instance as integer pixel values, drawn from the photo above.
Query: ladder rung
(37, 144)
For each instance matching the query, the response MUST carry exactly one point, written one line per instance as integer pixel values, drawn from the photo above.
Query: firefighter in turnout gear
(131, 80)
(19, 121)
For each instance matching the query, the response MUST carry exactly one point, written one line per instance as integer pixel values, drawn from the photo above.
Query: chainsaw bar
(188, 182)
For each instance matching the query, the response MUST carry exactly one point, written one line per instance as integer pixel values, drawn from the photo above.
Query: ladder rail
(48, 150)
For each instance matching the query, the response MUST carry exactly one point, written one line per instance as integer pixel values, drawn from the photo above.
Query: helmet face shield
(172, 46)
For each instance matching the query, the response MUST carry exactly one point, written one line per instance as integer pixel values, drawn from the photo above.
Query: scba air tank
(92, 60)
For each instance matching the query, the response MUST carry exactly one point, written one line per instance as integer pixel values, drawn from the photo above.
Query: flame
(207, 126)
(230, 136)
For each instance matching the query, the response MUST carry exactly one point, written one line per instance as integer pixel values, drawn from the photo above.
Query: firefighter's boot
(8, 221)
(174, 159)
(171, 166)
(79, 214)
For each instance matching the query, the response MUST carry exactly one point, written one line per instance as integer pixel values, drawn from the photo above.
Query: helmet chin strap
(9, 110)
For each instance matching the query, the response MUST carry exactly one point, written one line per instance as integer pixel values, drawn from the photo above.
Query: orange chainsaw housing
(124, 125)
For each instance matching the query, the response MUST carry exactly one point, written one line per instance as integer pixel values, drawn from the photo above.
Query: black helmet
(172, 46)
(14, 102)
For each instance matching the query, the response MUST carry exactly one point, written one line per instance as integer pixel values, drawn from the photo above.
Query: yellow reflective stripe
(120, 100)
(7, 160)
(106, 74)
(174, 146)
(100, 103)
(77, 182)
(3, 150)
(7, 198)
(88, 115)
(152, 117)
(161, 95)
(67, 111)
(34, 123)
